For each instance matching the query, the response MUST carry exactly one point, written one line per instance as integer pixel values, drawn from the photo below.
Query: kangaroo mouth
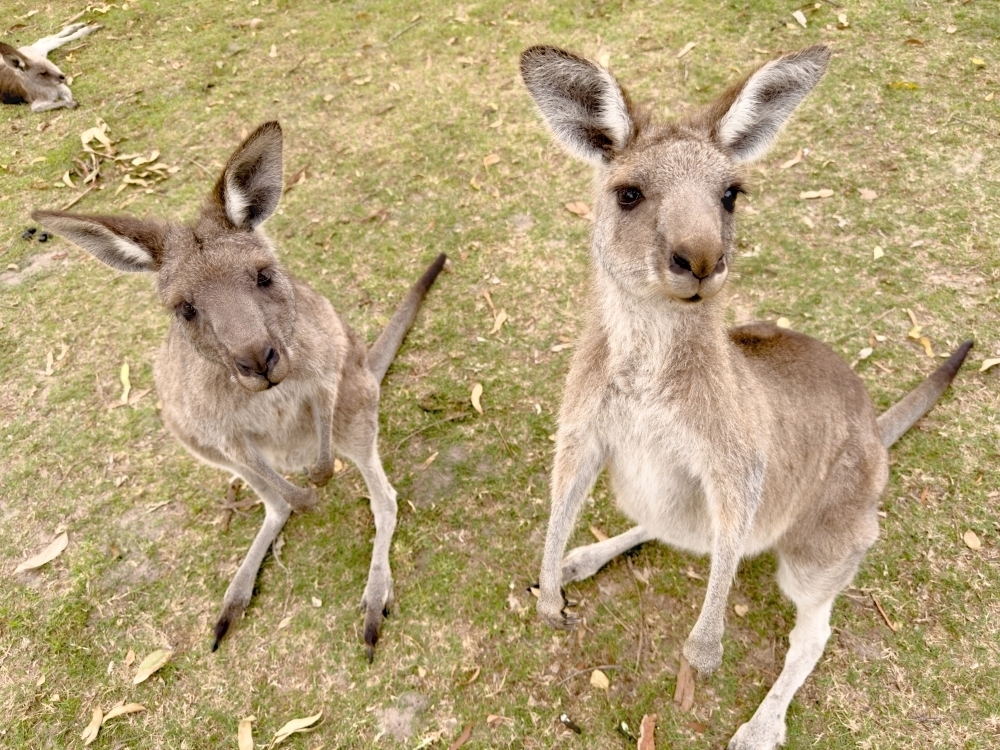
(694, 298)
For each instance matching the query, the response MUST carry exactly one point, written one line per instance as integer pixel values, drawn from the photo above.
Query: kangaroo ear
(122, 242)
(581, 101)
(748, 117)
(11, 57)
(250, 186)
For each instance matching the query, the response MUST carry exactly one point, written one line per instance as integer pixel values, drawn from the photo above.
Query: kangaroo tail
(384, 349)
(901, 416)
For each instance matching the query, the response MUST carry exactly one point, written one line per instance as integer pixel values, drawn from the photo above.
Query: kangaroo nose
(260, 362)
(699, 262)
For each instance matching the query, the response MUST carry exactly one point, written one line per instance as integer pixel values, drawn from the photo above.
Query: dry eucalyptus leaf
(926, 343)
(274, 51)
(878, 252)
(126, 383)
(812, 194)
(793, 161)
(686, 48)
(988, 363)
(598, 533)
(244, 734)
(317, 602)
(865, 353)
(498, 322)
(867, 195)
(129, 658)
(800, 17)
(579, 208)
(295, 725)
(477, 392)
(741, 610)
(978, 62)
(128, 708)
(600, 680)
(972, 540)
(89, 734)
(151, 663)
(783, 323)
(647, 729)
(842, 20)
(951, 30)
(491, 159)
(50, 553)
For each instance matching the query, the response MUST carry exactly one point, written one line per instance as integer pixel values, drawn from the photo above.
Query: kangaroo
(720, 442)
(258, 374)
(27, 76)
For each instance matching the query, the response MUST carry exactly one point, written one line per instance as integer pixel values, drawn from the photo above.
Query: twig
(980, 128)
(417, 19)
(64, 475)
(452, 418)
(878, 605)
(78, 198)
(204, 170)
(602, 667)
(869, 324)
(642, 616)
(505, 444)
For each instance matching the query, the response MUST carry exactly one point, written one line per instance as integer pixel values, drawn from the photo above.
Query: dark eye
(629, 197)
(263, 279)
(729, 198)
(188, 311)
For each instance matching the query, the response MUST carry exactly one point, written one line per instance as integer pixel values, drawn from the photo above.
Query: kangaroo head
(219, 278)
(41, 76)
(665, 192)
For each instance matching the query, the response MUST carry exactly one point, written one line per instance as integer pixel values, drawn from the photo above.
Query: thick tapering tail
(902, 415)
(384, 350)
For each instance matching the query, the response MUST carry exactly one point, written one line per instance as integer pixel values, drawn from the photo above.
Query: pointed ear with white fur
(751, 114)
(581, 101)
(249, 188)
(123, 242)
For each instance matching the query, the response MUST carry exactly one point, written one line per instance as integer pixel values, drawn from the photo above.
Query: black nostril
(271, 358)
(680, 261)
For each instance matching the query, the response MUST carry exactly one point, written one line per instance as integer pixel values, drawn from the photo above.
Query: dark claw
(28, 233)
(221, 628)
(373, 624)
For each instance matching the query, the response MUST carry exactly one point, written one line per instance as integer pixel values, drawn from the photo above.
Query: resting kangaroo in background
(258, 373)
(726, 443)
(27, 76)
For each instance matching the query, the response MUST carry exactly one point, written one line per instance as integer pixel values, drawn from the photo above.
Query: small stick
(878, 605)
(78, 198)
(602, 667)
(417, 19)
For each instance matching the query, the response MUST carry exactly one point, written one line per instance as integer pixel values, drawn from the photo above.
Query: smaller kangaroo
(725, 443)
(258, 374)
(27, 76)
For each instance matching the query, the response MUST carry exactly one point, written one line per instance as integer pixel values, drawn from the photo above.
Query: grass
(391, 116)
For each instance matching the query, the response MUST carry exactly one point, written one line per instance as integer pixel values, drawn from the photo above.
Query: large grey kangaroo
(258, 374)
(719, 442)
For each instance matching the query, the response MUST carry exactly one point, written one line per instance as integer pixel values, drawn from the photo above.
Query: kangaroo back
(384, 349)
(902, 415)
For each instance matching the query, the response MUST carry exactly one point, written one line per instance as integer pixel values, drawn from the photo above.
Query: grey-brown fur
(258, 374)
(27, 76)
(726, 443)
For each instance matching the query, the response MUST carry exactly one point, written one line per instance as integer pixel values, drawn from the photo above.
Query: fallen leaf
(741, 610)
(50, 553)
(783, 323)
(474, 184)
(560, 347)
(129, 658)
(477, 392)
(691, 574)
(800, 17)
(865, 353)
(126, 384)
(244, 733)
(842, 21)
(49, 363)
(988, 363)
(285, 622)
(428, 461)
(491, 159)
(951, 30)
(462, 738)
(151, 663)
(793, 161)
(979, 62)
(867, 195)
(295, 725)
(811, 194)
(878, 252)
(128, 708)
(904, 85)
(475, 675)
(317, 602)
(89, 734)
(579, 208)
(914, 42)
(686, 48)
(647, 731)
(926, 343)
(971, 540)
(600, 680)
(274, 51)
(500, 319)
(599, 534)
